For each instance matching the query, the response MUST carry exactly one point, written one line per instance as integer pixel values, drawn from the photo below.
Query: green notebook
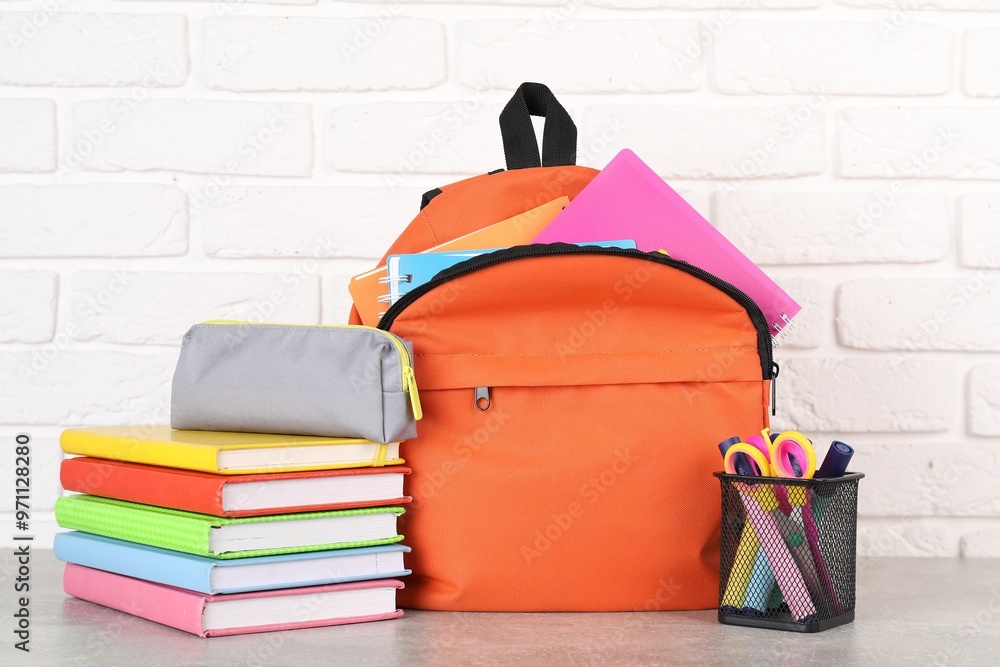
(205, 535)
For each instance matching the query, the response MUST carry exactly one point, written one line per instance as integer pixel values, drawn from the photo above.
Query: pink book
(627, 200)
(238, 613)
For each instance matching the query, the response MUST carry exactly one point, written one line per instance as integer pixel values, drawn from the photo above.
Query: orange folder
(371, 294)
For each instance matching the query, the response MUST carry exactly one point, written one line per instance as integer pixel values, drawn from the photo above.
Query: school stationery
(205, 535)
(838, 457)
(746, 586)
(238, 575)
(760, 504)
(758, 588)
(740, 581)
(238, 613)
(775, 508)
(762, 579)
(788, 455)
(787, 450)
(370, 291)
(408, 272)
(224, 452)
(628, 200)
(341, 381)
(235, 495)
(798, 546)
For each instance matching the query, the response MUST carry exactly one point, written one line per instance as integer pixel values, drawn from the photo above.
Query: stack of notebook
(230, 533)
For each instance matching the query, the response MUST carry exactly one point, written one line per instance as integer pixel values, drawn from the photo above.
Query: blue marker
(742, 465)
(836, 461)
(759, 588)
(834, 465)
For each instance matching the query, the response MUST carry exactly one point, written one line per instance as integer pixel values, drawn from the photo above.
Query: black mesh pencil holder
(788, 553)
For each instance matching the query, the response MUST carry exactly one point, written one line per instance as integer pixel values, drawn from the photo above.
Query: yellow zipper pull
(411, 389)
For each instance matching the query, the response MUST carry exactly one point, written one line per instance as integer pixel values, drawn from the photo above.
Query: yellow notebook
(371, 293)
(226, 453)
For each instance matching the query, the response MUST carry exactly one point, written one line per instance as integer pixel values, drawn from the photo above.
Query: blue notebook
(407, 272)
(241, 575)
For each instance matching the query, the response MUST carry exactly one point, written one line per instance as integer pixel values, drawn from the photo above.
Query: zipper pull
(483, 399)
(774, 387)
(411, 389)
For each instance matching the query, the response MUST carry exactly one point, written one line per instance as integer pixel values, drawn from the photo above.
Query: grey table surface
(909, 611)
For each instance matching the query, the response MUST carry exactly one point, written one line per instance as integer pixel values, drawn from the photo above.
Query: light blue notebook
(407, 272)
(211, 576)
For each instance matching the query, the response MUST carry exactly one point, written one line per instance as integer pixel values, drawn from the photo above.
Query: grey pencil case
(336, 381)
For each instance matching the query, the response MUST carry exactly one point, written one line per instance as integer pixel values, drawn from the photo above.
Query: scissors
(787, 455)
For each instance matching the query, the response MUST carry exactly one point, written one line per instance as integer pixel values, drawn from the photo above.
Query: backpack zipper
(764, 349)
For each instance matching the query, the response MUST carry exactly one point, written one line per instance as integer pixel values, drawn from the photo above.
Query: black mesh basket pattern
(788, 554)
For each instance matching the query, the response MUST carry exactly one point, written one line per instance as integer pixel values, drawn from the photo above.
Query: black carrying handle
(520, 147)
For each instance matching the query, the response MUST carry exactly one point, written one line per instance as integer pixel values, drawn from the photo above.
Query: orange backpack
(573, 399)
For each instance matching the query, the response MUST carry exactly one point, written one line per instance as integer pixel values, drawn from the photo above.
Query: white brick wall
(984, 400)
(247, 138)
(981, 68)
(94, 220)
(267, 53)
(94, 50)
(55, 385)
(278, 221)
(583, 56)
(812, 56)
(887, 225)
(167, 162)
(722, 143)
(27, 306)
(448, 137)
(131, 307)
(979, 237)
(920, 142)
(27, 135)
(921, 313)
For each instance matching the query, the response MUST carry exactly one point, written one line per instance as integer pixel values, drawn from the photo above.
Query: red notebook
(235, 495)
(236, 613)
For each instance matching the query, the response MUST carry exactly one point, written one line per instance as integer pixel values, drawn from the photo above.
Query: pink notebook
(627, 200)
(238, 613)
